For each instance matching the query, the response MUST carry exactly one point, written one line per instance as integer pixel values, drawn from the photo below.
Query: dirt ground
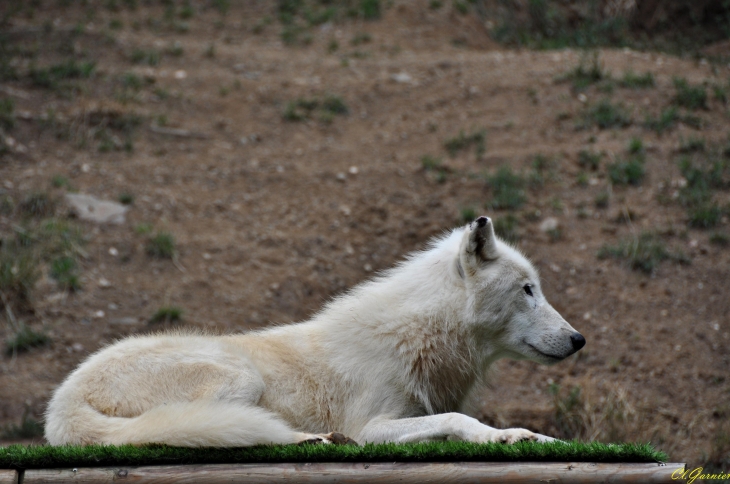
(272, 217)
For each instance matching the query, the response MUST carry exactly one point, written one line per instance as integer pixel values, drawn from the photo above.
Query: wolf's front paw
(340, 439)
(510, 436)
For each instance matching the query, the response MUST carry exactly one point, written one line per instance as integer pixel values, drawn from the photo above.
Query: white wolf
(392, 360)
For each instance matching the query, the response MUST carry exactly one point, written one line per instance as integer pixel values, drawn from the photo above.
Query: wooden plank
(8, 476)
(375, 473)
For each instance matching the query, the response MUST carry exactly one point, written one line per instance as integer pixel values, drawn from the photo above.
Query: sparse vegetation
(150, 57)
(584, 75)
(126, 198)
(324, 108)
(468, 214)
(703, 174)
(632, 80)
(63, 270)
(434, 165)
(51, 77)
(589, 160)
(666, 120)
(24, 339)
(507, 189)
(689, 96)
(38, 204)
(161, 245)
(463, 141)
(506, 227)
(29, 428)
(606, 115)
(602, 199)
(7, 115)
(166, 315)
(627, 172)
(643, 252)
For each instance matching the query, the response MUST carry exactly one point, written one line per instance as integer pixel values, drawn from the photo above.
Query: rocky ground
(262, 177)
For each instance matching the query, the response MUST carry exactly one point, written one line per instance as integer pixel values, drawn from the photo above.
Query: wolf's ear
(481, 244)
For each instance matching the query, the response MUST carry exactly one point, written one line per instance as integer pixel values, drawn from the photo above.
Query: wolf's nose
(578, 341)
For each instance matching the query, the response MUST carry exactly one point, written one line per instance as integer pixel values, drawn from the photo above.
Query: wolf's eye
(528, 289)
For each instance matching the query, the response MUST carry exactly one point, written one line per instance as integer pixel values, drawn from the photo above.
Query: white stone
(93, 209)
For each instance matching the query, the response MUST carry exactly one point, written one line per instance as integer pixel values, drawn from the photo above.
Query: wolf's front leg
(453, 426)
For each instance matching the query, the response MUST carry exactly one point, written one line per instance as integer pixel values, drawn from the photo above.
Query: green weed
(691, 145)
(166, 314)
(24, 339)
(150, 57)
(435, 166)
(637, 81)
(63, 270)
(468, 214)
(583, 76)
(305, 108)
(29, 428)
(666, 120)
(720, 238)
(602, 199)
(38, 204)
(161, 245)
(7, 114)
(636, 146)
(463, 141)
(589, 159)
(51, 77)
(689, 96)
(606, 114)
(507, 189)
(507, 228)
(642, 253)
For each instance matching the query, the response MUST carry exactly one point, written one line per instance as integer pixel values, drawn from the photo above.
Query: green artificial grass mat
(46, 456)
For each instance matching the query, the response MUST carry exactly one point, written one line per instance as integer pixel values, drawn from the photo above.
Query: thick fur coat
(394, 359)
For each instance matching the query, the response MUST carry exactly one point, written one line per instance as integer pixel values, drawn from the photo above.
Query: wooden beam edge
(375, 473)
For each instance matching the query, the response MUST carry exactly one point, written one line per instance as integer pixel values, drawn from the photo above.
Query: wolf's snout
(578, 341)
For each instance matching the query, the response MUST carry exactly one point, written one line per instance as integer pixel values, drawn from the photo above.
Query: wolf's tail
(184, 424)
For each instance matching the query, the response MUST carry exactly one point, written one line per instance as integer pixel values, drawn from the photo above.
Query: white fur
(392, 360)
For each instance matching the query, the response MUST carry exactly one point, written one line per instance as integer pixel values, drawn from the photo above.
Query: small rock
(99, 314)
(402, 77)
(180, 74)
(354, 170)
(550, 224)
(582, 98)
(113, 251)
(104, 283)
(93, 209)
(341, 176)
(77, 347)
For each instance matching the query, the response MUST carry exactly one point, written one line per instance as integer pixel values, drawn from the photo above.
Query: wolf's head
(506, 304)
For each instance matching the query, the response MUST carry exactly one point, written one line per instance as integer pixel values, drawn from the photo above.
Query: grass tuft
(166, 315)
(606, 115)
(38, 205)
(24, 339)
(584, 75)
(507, 189)
(507, 228)
(161, 245)
(643, 252)
(689, 96)
(52, 76)
(325, 108)
(632, 80)
(463, 141)
(29, 428)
